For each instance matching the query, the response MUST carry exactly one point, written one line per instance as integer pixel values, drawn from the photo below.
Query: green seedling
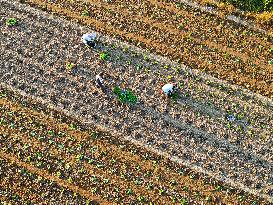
(192, 176)
(11, 22)
(138, 182)
(85, 13)
(129, 191)
(72, 126)
(105, 181)
(241, 198)
(197, 194)
(183, 201)
(59, 174)
(162, 192)
(94, 190)
(104, 56)
(141, 198)
(219, 188)
(179, 5)
(208, 198)
(254, 202)
(150, 186)
(181, 27)
(145, 58)
(69, 66)
(185, 188)
(173, 182)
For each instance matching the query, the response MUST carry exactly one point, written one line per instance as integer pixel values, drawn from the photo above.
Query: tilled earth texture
(218, 130)
(200, 40)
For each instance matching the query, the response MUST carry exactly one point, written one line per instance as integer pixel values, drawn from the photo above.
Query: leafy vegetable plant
(104, 56)
(125, 95)
(11, 22)
(69, 66)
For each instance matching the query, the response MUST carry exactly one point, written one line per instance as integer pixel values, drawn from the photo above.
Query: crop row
(21, 186)
(221, 61)
(97, 166)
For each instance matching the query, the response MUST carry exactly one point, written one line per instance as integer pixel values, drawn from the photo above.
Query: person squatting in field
(89, 39)
(169, 89)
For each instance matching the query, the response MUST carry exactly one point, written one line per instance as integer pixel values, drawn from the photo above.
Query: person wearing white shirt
(89, 39)
(169, 89)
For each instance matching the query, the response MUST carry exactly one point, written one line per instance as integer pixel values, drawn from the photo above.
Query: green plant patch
(11, 22)
(85, 13)
(252, 5)
(104, 56)
(125, 96)
(69, 66)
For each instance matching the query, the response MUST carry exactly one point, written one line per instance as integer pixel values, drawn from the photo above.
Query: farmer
(89, 39)
(99, 81)
(169, 89)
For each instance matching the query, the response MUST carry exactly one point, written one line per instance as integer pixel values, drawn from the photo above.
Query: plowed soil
(203, 41)
(213, 130)
(44, 159)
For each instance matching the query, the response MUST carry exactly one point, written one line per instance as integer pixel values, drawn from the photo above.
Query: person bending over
(169, 89)
(89, 39)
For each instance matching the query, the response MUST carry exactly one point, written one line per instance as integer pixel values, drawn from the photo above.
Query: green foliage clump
(126, 96)
(252, 5)
(104, 56)
(11, 21)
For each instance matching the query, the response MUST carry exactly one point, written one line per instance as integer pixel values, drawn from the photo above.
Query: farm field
(79, 166)
(211, 144)
(199, 40)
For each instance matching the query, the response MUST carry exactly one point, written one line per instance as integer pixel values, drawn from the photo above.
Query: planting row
(21, 186)
(114, 171)
(205, 41)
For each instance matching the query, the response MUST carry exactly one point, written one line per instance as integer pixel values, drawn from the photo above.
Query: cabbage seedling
(85, 13)
(104, 56)
(69, 66)
(11, 21)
